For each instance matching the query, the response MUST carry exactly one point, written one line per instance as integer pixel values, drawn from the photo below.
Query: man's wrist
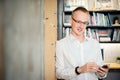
(76, 70)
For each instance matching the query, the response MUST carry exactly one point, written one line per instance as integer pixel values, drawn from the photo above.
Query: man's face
(79, 22)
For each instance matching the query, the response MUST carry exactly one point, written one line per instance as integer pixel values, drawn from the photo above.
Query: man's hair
(80, 9)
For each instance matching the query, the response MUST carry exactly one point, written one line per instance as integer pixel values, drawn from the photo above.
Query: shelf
(97, 17)
(114, 65)
(109, 41)
(109, 10)
(104, 27)
(105, 11)
(67, 25)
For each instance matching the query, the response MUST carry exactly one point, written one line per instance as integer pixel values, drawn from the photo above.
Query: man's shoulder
(93, 40)
(63, 40)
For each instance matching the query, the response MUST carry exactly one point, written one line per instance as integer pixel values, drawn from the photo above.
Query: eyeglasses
(80, 22)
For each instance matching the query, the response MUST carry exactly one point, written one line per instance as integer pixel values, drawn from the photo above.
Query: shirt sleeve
(63, 72)
(102, 76)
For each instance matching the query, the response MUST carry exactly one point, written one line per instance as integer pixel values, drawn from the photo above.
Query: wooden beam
(50, 8)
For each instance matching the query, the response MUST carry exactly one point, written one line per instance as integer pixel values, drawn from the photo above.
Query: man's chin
(79, 34)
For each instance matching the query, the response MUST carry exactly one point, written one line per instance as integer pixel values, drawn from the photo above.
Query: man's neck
(81, 37)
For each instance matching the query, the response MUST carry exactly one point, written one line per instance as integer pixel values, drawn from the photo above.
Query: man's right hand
(89, 67)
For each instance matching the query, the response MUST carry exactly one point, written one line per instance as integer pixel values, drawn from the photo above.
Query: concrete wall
(23, 40)
(1, 39)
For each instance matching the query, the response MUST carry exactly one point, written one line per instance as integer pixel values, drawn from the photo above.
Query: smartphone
(105, 66)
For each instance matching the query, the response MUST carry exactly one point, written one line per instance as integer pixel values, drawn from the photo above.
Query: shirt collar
(73, 39)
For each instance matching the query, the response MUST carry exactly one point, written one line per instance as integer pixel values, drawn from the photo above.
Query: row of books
(72, 4)
(92, 5)
(100, 35)
(100, 19)
(66, 31)
(113, 37)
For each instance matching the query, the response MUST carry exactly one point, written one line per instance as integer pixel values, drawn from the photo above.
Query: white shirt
(70, 53)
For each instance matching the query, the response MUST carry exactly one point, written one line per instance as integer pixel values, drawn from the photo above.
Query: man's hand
(103, 70)
(89, 67)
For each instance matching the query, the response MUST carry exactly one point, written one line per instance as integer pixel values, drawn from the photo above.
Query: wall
(28, 32)
(23, 40)
(111, 51)
(1, 40)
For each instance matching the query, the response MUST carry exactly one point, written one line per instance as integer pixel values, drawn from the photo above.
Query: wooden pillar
(50, 8)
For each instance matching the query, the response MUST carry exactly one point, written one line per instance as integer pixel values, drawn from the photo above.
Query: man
(79, 57)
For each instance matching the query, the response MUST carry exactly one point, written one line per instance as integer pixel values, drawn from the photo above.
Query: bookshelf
(100, 23)
(109, 46)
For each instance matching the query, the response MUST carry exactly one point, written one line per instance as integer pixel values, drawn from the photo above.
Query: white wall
(111, 51)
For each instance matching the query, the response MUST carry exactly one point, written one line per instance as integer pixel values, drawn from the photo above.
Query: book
(109, 19)
(103, 33)
(118, 36)
(91, 4)
(67, 31)
(105, 38)
(89, 33)
(66, 19)
(115, 34)
(118, 4)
